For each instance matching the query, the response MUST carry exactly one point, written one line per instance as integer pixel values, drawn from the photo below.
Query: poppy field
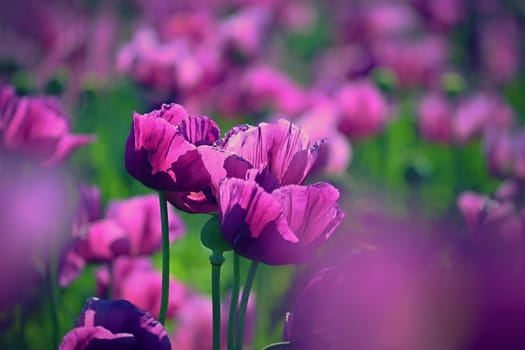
(262, 174)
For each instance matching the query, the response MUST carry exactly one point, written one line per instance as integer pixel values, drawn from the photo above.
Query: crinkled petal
(200, 130)
(192, 202)
(311, 211)
(252, 222)
(153, 146)
(284, 147)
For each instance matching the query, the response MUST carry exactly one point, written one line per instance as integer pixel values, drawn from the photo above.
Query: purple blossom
(283, 226)
(115, 324)
(36, 127)
(161, 150)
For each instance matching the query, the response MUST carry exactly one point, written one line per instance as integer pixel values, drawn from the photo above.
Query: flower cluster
(252, 177)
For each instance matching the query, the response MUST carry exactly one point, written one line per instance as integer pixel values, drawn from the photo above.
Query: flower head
(115, 324)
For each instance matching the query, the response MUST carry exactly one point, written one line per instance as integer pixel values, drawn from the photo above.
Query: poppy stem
(234, 301)
(244, 303)
(165, 257)
(216, 261)
(53, 297)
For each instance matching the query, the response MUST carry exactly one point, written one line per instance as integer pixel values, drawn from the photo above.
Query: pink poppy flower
(140, 218)
(38, 128)
(363, 109)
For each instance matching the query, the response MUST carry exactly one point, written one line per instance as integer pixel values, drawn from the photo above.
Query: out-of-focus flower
(102, 241)
(115, 324)
(363, 111)
(416, 62)
(441, 14)
(194, 330)
(491, 220)
(34, 212)
(244, 31)
(140, 218)
(38, 128)
(135, 280)
(172, 66)
(320, 122)
(263, 88)
(499, 49)
(396, 296)
(277, 226)
(435, 115)
(479, 112)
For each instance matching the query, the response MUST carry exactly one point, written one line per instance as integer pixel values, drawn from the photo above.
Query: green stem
(234, 301)
(216, 261)
(165, 257)
(109, 289)
(244, 303)
(53, 297)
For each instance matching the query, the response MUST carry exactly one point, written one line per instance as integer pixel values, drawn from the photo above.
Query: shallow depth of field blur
(421, 102)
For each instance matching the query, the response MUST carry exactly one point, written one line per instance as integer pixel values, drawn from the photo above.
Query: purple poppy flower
(281, 227)
(161, 150)
(140, 218)
(115, 324)
(282, 147)
(38, 128)
(363, 109)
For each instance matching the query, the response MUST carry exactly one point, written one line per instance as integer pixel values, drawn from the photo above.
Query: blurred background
(421, 103)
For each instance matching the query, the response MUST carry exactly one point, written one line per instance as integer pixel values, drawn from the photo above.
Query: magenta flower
(135, 280)
(282, 226)
(363, 109)
(282, 147)
(37, 127)
(435, 115)
(161, 150)
(320, 122)
(115, 324)
(140, 218)
(480, 112)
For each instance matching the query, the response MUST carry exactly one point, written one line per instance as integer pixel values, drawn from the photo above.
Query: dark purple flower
(281, 227)
(37, 127)
(115, 324)
(161, 150)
